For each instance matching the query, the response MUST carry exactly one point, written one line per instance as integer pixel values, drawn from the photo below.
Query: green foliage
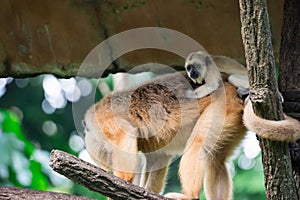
(80, 190)
(18, 150)
(249, 184)
(39, 180)
(11, 124)
(23, 139)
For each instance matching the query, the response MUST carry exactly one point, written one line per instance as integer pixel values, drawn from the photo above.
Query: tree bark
(97, 179)
(265, 97)
(289, 74)
(7, 193)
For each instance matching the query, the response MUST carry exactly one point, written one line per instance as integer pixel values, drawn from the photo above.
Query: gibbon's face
(196, 66)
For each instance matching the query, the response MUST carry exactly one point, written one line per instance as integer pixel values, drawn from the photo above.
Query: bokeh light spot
(49, 127)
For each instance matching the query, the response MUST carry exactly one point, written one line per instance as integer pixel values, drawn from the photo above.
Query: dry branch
(97, 179)
(27, 194)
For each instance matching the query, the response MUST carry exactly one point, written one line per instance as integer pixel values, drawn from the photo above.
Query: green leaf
(11, 124)
(39, 180)
(15, 141)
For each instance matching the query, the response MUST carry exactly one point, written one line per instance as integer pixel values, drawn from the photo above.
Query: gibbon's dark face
(196, 66)
(193, 72)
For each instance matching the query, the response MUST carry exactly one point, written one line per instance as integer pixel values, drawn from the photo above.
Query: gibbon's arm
(284, 130)
(239, 80)
(229, 65)
(237, 73)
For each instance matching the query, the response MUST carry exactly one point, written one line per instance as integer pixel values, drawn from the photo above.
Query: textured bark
(97, 179)
(289, 74)
(7, 193)
(264, 96)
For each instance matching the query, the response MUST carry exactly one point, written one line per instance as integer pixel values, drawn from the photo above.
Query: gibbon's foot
(284, 130)
(178, 196)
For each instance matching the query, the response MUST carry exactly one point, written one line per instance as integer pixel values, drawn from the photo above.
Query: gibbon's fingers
(284, 130)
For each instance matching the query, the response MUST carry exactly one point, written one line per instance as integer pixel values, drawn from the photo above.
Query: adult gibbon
(194, 114)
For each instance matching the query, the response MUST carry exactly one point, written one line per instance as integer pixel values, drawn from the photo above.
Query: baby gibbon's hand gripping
(284, 130)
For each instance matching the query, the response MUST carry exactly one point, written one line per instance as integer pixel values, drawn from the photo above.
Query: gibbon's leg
(193, 161)
(217, 181)
(155, 172)
(140, 169)
(191, 170)
(125, 156)
(97, 145)
(101, 163)
(97, 151)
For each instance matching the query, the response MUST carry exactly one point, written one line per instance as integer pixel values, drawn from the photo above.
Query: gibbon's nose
(194, 74)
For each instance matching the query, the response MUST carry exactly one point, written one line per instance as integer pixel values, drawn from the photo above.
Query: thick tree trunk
(289, 73)
(264, 96)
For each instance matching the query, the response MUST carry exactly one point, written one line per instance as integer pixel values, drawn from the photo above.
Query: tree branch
(27, 194)
(97, 179)
(264, 96)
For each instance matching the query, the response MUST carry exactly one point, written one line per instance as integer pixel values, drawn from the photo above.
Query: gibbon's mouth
(199, 81)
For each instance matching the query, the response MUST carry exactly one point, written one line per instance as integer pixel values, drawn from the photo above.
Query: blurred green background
(36, 116)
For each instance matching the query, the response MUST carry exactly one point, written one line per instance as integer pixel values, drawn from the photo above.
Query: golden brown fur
(158, 120)
(284, 130)
(162, 118)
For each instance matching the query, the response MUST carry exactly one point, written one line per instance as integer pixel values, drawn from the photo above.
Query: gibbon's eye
(189, 67)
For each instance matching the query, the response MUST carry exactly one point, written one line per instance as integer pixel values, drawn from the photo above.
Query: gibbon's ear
(208, 60)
